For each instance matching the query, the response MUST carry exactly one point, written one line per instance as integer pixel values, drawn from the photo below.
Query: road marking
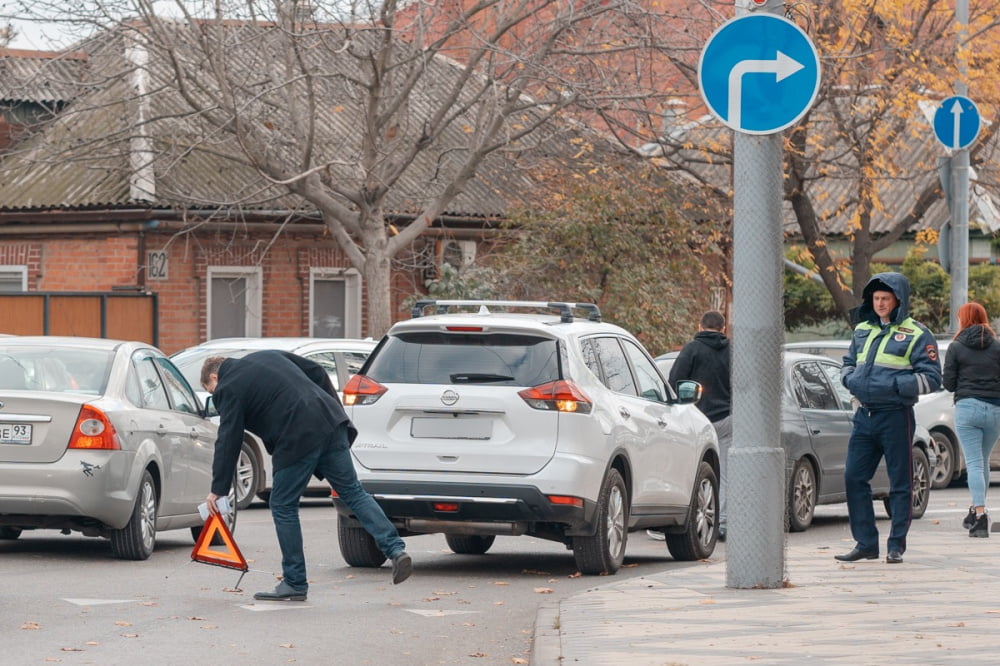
(439, 613)
(99, 602)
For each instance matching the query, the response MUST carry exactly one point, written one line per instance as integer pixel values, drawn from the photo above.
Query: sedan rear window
(48, 369)
(502, 359)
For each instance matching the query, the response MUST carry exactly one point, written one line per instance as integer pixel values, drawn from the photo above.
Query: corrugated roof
(89, 155)
(41, 77)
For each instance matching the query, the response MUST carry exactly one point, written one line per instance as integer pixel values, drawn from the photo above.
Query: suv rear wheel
(698, 539)
(604, 552)
(357, 546)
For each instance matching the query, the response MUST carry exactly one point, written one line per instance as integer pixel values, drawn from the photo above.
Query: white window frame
(16, 272)
(254, 277)
(351, 278)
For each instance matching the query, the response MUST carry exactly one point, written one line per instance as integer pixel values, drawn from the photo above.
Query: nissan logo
(449, 397)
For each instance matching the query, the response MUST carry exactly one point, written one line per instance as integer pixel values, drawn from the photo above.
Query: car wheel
(357, 546)
(228, 518)
(136, 540)
(801, 496)
(921, 486)
(604, 552)
(469, 544)
(10, 533)
(947, 460)
(697, 541)
(247, 476)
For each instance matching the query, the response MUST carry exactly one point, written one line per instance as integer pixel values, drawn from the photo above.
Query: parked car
(816, 422)
(103, 437)
(935, 411)
(504, 422)
(342, 357)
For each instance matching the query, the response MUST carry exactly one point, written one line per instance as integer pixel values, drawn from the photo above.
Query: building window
(13, 278)
(334, 303)
(234, 302)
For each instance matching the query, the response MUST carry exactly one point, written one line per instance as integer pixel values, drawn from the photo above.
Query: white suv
(495, 422)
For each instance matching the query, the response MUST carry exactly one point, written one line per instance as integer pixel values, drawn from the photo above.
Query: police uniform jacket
(286, 400)
(890, 366)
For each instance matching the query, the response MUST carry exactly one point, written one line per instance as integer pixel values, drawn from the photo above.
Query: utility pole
(959, 239)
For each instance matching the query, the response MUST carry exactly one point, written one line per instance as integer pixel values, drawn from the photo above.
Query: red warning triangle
(205, 551)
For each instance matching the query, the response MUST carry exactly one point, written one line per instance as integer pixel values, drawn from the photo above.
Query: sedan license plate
(450, 427)
(15, 433)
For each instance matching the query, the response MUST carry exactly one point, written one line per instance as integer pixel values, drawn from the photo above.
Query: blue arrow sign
(957, 122)
(759, 73)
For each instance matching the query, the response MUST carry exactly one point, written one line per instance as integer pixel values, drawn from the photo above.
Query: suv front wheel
(697, 541)
(604, 552)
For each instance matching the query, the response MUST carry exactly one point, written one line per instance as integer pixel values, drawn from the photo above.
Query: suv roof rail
(565, 309)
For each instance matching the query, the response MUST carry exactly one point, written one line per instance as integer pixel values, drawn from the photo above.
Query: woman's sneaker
(970, 518)
(981, 527)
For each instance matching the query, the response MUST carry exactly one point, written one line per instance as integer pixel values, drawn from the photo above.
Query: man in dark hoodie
(891, 361)
(705, 359)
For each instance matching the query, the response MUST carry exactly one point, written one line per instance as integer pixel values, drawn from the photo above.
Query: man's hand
(212, 507)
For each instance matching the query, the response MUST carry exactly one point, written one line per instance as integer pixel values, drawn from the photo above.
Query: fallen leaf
(478, 654)
(122, 623)
(91, 643)
(196, 618)
(518, 660)
(52, 659)
(630, 566)
(955, 624)
(432, 598)
(71, 649)
(445, 594)
(536, 572)
(500, 582)
(575, 575)
(707, 601)
(31, 625)
(130, 635)
(543, 590)
(498, 603)
(468, 624)
(287, 645)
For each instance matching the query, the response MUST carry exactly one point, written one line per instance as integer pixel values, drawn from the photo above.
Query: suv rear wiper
(472, 377)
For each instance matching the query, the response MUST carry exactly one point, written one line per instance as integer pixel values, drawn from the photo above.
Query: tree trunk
(377, 276)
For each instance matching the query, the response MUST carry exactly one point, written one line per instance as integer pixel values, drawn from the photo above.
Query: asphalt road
(64, 600)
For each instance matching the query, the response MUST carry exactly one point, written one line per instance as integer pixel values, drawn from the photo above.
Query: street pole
(960, 188)
(756, 464)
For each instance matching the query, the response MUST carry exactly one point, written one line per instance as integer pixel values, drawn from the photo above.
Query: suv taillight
(93, 430)
(361, 390)
(561, 396)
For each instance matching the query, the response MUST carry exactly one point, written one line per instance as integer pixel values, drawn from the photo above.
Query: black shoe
(857, 554)
(970, 518)
(981, 527)
(283, 592)
(722, 534)
(894, 557)
(402, 567)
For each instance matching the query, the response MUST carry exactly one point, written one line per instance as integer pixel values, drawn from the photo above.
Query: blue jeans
(333, 461)
(876, 434)
(978, 426)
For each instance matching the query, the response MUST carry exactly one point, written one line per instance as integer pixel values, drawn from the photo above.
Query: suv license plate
(15, 433)
(450, 427)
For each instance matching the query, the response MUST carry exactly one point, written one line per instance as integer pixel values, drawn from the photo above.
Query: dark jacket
(706, 360)
(972, 366)
(890, 365)
(286, 400)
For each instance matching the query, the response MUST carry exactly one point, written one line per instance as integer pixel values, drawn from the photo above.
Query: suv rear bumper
(491, 509)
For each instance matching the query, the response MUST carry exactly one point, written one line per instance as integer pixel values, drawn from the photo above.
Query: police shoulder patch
(932, 352)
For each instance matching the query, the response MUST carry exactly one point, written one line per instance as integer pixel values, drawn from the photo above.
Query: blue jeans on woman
(333, 461)
(978, 426)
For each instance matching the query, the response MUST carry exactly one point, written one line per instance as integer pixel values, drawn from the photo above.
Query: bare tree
(379, 118)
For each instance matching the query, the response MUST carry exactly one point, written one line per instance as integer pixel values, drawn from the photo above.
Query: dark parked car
(816, 416)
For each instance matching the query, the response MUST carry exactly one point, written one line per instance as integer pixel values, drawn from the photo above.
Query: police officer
(891, 361)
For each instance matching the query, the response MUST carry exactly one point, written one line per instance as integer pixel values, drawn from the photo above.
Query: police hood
(894, 282)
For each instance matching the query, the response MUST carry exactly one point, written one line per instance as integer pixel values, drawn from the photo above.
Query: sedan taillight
(561, 396)
(93, 430)
(361, 390)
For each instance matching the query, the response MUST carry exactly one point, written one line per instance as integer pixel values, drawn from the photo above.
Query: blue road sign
(759, 73)
(957, 122)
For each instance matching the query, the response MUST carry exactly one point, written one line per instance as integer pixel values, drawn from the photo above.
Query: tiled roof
(91, 155)
(41, 77)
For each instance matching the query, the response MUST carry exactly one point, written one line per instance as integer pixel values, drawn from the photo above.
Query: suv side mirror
(688, 392)
(210, 409)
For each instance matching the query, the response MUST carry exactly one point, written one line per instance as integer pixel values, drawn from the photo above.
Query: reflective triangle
(225, 555)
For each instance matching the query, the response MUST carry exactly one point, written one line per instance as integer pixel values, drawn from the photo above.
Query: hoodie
(972, 366)
(890, 365)
(706, 360)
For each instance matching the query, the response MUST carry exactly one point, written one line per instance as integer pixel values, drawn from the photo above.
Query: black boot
(970, 518)
(981, 528)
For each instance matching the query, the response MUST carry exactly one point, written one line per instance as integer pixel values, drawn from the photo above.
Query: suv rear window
(433, 357)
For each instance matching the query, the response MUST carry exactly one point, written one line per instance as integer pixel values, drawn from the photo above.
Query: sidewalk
(940, 606)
